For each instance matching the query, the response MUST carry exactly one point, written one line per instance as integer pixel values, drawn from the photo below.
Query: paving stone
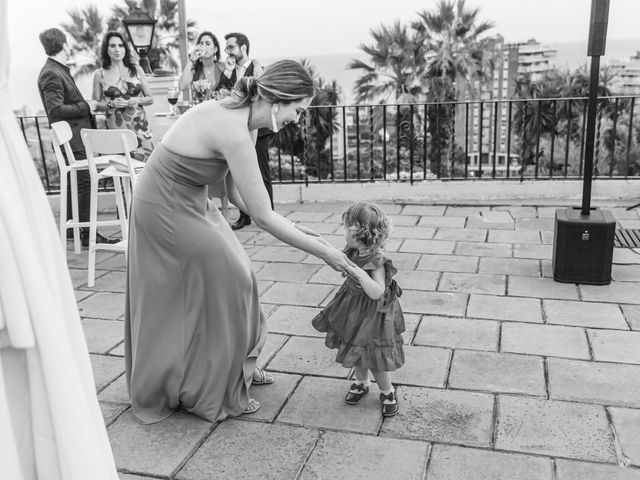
(417, 279)
(432, 210)
(113, 262)
(514, 236)
(287, 272)
(497, 372)
(424, 367)
(111, 411)
(404, 220)
(273, 397)
(584, 314)
(627, 425)
(306, 216)
(439, 303)
(278, 254)
(559, 429)
(479, 249)
(308, 356)
(632, 314)
(128, 476)
(443, 416)
(82, 294)
(548, 340)
(573, 470)
(465, 211)
(444, 247)
(448, 263)
(457, 333)
(535, 224)
(102, 335)
(447, 222)
(118, 351)
(505, 308)
(424, 233)
(271, 346)
(525, 250)
(594, 382)
(473, 283)
(468, 235)
(541, 288)
(615, 346)
(448, 462)
(294, 320)
(81, 261)
(411, 323)
(325, 398)
(510, 266)
(327, 275)
(112, 282)
(79, 277)
(625, 273)
(618, 292)
(116, 392)
(407, 261)
(393, 244)
(157, 449)
(620, 213)
(624, 255)
(475, 221)
(348, 456)
(548, 212)
(106, 369)
(296, 294)
(518, 211)
(103, 305)
(547, 237)
(276, 451)
(547, 268)
(264, 285)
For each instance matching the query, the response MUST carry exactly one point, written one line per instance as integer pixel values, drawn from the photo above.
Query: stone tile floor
(509, 374)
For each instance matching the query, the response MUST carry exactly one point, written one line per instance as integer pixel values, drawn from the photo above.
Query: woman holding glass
(203, 66)
(121, 90)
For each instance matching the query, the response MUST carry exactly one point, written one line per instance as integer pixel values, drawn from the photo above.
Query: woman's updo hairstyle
(283, 82)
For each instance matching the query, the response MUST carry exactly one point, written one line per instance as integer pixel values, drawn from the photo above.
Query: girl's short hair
(285, 82)
(367, 223)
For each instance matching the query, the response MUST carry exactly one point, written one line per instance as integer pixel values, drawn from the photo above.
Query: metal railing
(516, 139)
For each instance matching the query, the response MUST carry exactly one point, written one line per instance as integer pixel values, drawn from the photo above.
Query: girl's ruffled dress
(366, 332)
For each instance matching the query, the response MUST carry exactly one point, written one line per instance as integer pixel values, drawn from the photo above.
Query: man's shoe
(84, 238)
(242, 222)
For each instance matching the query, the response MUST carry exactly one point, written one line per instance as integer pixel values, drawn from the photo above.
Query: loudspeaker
(583, 246)
(598, 27)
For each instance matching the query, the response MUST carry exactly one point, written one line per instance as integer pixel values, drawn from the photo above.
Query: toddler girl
(364, 319)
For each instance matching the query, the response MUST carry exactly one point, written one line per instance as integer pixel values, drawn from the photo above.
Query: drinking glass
(172, 97)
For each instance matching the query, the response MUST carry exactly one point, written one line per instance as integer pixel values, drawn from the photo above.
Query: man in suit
(63, 101)
(238, 65)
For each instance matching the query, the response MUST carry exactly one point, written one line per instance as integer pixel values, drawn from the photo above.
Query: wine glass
(172, 97)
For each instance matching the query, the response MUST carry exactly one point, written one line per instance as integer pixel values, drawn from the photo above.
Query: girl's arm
(372, 284)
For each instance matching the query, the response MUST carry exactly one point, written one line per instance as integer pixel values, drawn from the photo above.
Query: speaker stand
(633, 206)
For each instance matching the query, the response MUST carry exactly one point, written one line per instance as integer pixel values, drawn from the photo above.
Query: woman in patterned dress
(121, 90)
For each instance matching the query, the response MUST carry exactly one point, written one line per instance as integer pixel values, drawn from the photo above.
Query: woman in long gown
(193, 324)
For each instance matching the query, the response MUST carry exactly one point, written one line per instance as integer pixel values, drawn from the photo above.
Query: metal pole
(591, 131)
(182, 33)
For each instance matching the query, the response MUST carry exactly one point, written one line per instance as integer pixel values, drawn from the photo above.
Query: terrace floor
(509, 374)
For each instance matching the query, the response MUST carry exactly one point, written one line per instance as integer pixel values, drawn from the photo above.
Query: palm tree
(85, 27)
(395, 68)
(457, 49)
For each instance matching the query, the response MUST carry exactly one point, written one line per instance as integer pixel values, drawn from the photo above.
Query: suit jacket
(229, 82)
(63, 101)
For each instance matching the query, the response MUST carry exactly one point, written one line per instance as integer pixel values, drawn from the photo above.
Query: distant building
(535, 59)
(627, 80)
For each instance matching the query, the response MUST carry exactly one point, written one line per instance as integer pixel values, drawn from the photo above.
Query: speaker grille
(627, 238)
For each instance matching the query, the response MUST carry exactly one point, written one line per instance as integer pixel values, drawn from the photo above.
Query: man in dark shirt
(63, 101)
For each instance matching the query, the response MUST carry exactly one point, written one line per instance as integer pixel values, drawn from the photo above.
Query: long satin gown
(193, 325)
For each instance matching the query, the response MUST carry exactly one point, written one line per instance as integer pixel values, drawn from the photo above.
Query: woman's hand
(133, 102)
(120, 103)
(338, 260)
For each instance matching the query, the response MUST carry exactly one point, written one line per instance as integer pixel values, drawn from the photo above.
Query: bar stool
(114, 147)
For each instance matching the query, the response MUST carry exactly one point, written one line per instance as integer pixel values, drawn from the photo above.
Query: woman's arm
(98, 93)
(238, 149)
(187, 76)
(373, 285)
(146, 98)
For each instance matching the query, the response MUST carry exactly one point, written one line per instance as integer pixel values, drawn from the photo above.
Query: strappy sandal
(252, 407)
(262, 377)
(389, 409)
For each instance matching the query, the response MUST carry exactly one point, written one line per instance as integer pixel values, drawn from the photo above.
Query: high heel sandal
(252, 407)
(261, 377)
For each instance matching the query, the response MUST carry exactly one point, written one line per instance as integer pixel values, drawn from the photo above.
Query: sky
(295, 28)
